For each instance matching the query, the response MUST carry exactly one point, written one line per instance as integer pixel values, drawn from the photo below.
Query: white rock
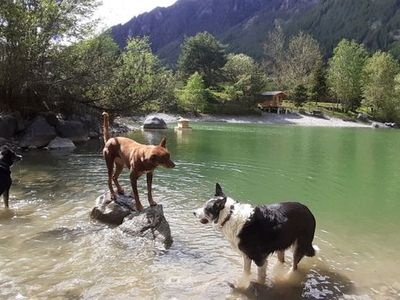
(61, 143)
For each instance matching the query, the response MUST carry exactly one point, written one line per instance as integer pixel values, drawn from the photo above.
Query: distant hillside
(375, 23)
(244, 24)
(226, 19)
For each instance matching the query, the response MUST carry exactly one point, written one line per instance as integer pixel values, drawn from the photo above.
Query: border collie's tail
(106, 125)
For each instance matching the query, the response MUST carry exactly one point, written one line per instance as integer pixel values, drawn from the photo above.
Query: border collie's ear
(218, 191)
(163, 142)
(220, 203)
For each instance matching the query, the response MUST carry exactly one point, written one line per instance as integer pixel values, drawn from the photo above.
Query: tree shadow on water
(318, 283)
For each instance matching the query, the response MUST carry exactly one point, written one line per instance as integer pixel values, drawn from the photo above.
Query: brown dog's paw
(121, 192)
(138, 207)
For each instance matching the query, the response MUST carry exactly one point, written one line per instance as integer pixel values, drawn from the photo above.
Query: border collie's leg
(244, 281)
(297, 256)
(281, 256)
(246, 266)
(262, 273)
(6, 196)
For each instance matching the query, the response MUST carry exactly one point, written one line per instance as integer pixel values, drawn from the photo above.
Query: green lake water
(349, 178)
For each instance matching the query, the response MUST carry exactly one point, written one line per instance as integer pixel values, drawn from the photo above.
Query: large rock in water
(8, 126)
(38, 134)
(73, 130)
(154, 123)
(150, 223)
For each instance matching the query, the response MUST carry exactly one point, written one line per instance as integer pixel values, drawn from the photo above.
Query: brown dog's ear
(163, 142)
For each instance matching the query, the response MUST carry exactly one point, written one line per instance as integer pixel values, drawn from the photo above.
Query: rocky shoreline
(294, 119)
(51, 131)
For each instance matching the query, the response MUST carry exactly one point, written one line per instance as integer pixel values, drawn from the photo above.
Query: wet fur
(140, 159)
(7, 159)
(257, 232)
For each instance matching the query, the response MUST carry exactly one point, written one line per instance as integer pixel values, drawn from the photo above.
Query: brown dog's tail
(106, 125)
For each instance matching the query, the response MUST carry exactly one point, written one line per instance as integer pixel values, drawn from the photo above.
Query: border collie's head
(8, 156)
(211, 210)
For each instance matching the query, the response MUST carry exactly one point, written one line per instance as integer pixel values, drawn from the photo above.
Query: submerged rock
(151, 223)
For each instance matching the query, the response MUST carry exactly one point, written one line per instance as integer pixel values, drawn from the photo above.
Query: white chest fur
(240, 214)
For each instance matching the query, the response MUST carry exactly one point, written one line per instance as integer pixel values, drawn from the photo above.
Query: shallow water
(349, 178)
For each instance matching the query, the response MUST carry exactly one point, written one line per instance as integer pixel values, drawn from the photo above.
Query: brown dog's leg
(118, 169)
(149, 190)
(6, 196)
(134, 179)
(110, 169)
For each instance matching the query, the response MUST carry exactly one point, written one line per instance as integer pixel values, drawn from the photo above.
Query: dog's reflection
(19, 216)
(317, 283)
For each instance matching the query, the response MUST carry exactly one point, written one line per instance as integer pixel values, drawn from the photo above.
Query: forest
(51, 60)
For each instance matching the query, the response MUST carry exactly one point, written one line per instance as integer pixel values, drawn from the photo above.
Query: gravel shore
(269, 119)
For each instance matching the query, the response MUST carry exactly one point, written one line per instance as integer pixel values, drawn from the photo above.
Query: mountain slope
(226, 19)
(244, 24)
(376, 24)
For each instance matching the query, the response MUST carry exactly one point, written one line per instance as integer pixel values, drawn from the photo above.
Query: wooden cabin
(271, 100)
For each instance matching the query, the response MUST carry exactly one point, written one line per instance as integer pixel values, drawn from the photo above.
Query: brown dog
(138, 158)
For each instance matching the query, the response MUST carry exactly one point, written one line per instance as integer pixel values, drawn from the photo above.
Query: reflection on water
(49, 248)
(317, 283)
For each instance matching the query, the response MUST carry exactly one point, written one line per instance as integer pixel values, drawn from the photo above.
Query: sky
(114, 12)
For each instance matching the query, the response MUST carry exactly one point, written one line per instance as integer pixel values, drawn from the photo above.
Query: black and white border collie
(257, 232)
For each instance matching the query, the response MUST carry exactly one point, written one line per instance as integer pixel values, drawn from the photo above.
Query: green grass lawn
(334, 110)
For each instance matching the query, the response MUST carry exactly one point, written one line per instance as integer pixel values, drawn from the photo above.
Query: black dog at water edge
(7, 159)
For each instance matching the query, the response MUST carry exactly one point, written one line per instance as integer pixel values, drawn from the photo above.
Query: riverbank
(265, 118)
(289, 119)
(51, 131)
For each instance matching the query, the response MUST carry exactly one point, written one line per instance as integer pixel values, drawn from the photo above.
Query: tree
(194, 96)
(295, 65)
(32, 33)
(274, 49)
(245, 78)
(138, 79)
(204, 54)
(379, 84)
(83, 72)
(396, 101)
(299, 95)
(302, 58)
(345, 73)
(319, 88)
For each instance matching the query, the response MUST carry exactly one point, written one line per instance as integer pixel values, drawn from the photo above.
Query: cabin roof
(272, 93)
